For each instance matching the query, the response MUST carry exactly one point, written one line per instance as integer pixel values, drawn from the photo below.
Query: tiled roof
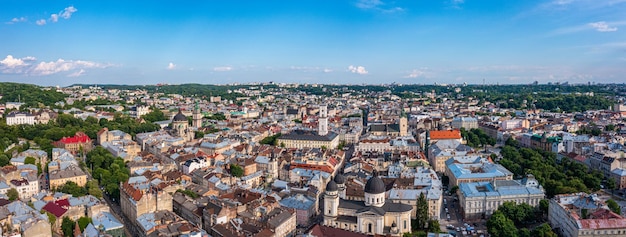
(78, 138)
(445, 134)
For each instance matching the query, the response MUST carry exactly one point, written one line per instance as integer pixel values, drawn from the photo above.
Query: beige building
(72, 173)
(138, 196)
(310, 139)
(565, 214)
(374, 216)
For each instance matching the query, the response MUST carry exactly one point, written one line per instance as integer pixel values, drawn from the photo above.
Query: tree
(614, 206)
(421, 213)
(67, 226)
(543, 230)
(30, 160)
(454, 189)
(4, 159)
(83, 222)
(51, 218)
(544, 206)
(499, 225)
(154, 115)
(13, 194)
(433, 226)
(236, 170)
(445, 180)
(610, 184)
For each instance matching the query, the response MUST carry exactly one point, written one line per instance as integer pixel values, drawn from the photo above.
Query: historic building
(374, 216)
(480, 199)
(582, 214)
(180, 127)
(307, 138)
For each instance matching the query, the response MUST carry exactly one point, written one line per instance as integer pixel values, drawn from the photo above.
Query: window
(369, 228)
(404, 225)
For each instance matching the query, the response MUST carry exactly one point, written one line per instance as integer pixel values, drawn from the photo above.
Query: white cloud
(223, 69)
(377, 5)
(17, 20)
(456, 4)
(416, 73)
(28, 66)
(602, 26)
(67, 12)
(53, 67)
(326, 70)
(171, 66)
(54, 18)
(41, 22)
(357, 69)
(77, 74)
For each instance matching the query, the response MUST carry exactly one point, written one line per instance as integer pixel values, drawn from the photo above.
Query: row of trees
(513, 220)
(108, 170)
(561, 177)
(91, 188)
(477, 138)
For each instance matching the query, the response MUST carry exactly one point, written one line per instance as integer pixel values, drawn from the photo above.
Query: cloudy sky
(315, 41)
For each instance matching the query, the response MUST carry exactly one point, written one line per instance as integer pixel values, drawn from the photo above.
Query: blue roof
(298, 201)
(107, 220)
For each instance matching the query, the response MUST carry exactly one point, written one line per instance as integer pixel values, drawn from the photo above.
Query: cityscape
(313, 118)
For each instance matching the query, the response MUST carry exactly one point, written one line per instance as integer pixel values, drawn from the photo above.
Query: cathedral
(374, 216)
(180, 127)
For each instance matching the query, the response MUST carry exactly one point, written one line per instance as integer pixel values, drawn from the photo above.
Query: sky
(313, 41)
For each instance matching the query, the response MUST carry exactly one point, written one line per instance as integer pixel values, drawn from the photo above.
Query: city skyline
(346, 42)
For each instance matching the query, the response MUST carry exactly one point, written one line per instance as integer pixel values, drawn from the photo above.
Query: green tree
(4, 159)
(83, 222)
(236, 170)
(433, 226)
(51, 218)
(13, 194)
(72, 188)
(30, 160)
(445, 180)
(67, 226)
(154, 115)
(453, 189)
(544, 206)
(421, 213)
(614, 206)
(543, 230)
(499, 225)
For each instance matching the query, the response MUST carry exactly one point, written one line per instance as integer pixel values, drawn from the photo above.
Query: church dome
(340, 179)
(180, 117)
(375, 185)
(331, 186)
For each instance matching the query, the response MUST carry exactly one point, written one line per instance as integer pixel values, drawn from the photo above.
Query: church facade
(372, 216)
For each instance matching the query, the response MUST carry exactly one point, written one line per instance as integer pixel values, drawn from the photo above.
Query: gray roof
(375, 185)
(308, 136)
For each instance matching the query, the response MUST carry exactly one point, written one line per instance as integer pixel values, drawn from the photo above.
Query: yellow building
(72, 173)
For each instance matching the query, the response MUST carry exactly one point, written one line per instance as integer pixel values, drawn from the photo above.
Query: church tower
(197, 116)
(331, 203)
(404, 125)
(341, 185)
(323, 121)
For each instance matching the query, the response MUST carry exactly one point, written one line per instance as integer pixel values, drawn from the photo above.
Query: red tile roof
(54, 209)
(80, 137)
(445, 134)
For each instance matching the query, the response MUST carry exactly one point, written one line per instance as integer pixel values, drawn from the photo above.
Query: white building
(566, 215)
(194, 164)
(16, 118)
(464, 122)
(481, 199)
(375, 215)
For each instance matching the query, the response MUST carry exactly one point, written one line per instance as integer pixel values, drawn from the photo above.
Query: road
(116, 210)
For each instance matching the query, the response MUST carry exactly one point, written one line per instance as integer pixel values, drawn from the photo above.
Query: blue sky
(351, 42)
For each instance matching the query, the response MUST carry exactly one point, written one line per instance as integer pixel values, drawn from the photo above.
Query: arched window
(369, 228)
